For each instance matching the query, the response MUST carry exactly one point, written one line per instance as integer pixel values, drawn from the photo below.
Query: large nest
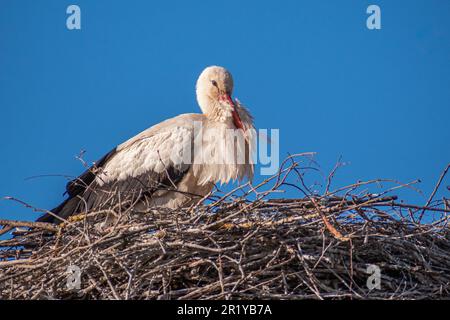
(245, 244)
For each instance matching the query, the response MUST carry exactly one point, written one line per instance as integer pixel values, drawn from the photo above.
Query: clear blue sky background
(380, 99)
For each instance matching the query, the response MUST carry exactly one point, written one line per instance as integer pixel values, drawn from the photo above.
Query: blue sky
(378, 98)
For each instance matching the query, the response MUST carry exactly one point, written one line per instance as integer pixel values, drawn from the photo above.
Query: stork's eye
(214, 83)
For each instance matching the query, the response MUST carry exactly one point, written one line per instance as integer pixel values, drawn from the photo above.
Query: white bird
(174, 163)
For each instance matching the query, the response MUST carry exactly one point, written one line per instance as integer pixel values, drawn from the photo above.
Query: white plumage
(175, 162)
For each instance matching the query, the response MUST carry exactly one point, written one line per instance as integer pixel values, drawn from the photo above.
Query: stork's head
(214, 90)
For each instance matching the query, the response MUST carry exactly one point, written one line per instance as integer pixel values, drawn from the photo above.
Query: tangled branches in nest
(246, 244)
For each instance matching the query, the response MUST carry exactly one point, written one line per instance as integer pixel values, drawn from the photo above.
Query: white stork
(146, 171)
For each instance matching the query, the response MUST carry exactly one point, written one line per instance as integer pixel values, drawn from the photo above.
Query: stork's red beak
(236, 118)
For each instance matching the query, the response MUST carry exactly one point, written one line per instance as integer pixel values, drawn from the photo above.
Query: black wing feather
(79, 184)
(85, 194)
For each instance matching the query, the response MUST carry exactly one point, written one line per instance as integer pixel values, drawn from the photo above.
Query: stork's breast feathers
(173, 146)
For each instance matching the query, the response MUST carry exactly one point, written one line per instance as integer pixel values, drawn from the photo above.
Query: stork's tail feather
(64, 210)
(77, 191)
